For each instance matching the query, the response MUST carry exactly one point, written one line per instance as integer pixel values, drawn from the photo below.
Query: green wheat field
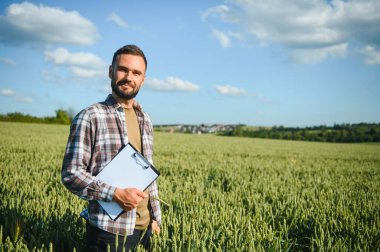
(223, 193)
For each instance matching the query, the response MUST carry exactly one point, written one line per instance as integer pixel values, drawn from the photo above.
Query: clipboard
(128, 169)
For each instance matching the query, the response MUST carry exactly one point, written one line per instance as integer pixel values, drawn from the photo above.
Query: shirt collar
(113, 104)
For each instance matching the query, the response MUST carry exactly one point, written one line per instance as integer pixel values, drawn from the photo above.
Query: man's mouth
(126, 84)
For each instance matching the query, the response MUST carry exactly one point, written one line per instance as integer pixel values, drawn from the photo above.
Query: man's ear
(110, 72)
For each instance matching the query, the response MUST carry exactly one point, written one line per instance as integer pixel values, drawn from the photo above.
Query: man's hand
(155, 228)
(128, 198)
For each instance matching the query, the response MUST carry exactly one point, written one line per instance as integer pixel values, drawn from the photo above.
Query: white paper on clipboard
(128, 169)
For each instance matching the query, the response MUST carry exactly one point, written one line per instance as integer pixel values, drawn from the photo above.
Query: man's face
(127, 76)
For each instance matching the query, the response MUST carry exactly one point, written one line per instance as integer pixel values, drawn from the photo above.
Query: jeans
(98, 240)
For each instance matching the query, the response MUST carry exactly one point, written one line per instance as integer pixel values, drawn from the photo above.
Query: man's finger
(141, 194)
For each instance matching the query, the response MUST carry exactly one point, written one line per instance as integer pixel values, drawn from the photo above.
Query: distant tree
(62, 117)
(362, 132)
(71, 113)
(238, 131)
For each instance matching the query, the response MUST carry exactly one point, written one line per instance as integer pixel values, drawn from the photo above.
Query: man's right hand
(128, 198)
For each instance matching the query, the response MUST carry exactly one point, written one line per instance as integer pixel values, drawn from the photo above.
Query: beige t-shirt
(134, 138)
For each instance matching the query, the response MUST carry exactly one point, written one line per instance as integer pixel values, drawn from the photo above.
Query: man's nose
(128, 75)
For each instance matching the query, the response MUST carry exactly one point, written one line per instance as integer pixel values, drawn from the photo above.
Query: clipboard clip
(139, 160)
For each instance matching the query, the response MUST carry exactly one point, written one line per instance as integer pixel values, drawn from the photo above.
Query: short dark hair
(130, 49)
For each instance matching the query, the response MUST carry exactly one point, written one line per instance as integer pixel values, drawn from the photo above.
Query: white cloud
(8, 61)
(61, 56)
(27, 23)
(372, 56)
(223, 38)
(259, 112)
(53, 75)
(217, 11)
(117, 20)
(319, 28)
(26, 99)
(230, 90)
(317, 55)
(87, 73)
(105, 89)
(7, 92)
(82, 65)
(171, 84)
(17, 96)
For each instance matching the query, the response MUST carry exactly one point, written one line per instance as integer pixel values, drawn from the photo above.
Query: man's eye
(136, 73)
(124, 70)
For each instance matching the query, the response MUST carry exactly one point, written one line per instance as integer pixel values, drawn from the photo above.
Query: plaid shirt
(97, 134)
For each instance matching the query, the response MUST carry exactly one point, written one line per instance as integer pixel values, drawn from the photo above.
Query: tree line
(61, 117)
(338, 133)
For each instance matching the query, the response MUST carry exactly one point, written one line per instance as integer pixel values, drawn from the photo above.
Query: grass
(224, 193)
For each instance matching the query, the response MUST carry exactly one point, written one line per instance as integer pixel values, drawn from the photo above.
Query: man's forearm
(84, 185)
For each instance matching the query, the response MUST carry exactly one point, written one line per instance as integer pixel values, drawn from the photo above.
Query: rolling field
(224, 193)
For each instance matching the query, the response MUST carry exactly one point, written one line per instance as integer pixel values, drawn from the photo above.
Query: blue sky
(264, 63)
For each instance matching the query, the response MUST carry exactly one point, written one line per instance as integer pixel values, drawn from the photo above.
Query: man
(97, 134)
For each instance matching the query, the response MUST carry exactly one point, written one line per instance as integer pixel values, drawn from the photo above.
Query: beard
(123, 94)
